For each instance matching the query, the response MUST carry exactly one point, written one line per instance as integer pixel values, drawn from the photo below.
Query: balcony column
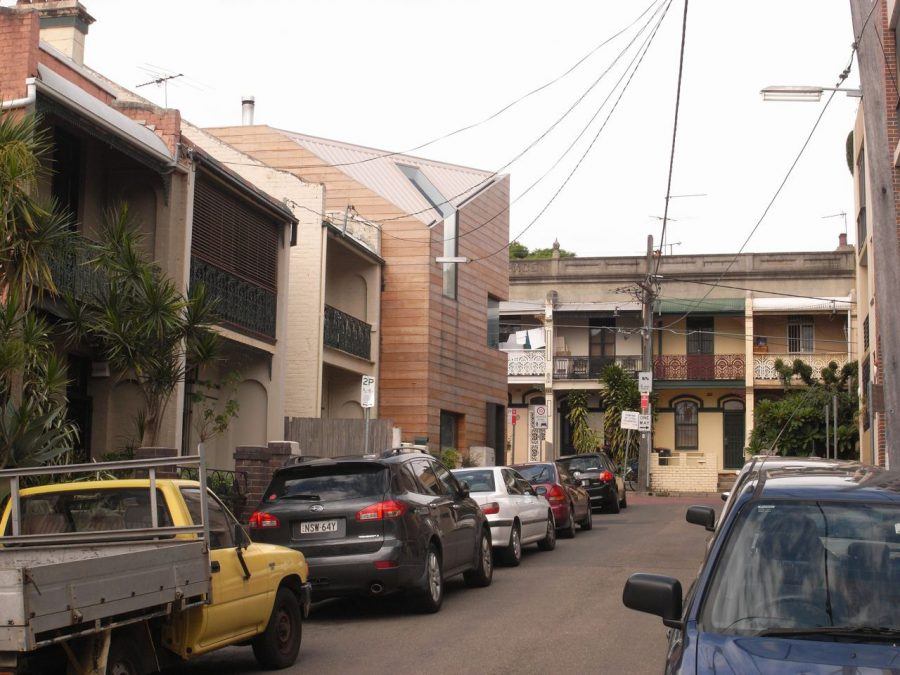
(549, 337)
(750, 369)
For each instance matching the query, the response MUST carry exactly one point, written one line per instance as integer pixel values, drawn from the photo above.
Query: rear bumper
(600, 494)
(337, 576)
(561, 514)
(501, 531)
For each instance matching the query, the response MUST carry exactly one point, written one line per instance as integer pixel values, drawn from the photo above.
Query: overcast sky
(395, 73)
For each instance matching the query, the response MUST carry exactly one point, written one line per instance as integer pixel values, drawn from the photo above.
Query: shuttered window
(233, 235)
(687, 421)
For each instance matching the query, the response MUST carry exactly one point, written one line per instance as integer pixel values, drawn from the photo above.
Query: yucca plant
(584, 438)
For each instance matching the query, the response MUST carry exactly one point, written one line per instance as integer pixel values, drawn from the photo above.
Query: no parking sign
(540, 416)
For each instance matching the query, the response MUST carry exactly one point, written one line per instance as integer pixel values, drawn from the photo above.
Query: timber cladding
(434, 350)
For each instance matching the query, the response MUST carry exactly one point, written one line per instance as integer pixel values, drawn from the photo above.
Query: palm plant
(140, 322)
(584, 439)
(620, 393)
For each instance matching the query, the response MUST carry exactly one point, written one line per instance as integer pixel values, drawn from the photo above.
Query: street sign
(513, 416)
(540, 417)
(645, 381)
(644, 423)
(630, 420)
(367, 394)
(645, 402)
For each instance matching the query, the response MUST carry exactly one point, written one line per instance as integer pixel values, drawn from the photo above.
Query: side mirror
(241, 540)
(464, 489)
(530, 491)
(540, 490)
(654, 594)
(725, 496)
(702, 515)
(577, 474)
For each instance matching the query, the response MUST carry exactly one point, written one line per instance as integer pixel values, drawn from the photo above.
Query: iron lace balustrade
(591, 367)
(699, 367)
(238, 302)
(347, 333)
(72, 274)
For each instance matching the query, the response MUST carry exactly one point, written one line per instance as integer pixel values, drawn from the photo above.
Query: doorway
(733, 433)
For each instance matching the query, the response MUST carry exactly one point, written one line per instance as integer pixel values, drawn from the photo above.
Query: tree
(795, 423)
(147, 330)
(619, 393)
(584, 438)
(33, 425)
(519, 251)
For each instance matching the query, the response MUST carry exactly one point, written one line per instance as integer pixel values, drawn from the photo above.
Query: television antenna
(163, 80)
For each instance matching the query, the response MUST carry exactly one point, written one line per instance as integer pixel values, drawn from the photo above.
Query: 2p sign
(367, 392)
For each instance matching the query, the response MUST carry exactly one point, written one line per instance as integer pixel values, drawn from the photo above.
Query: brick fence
(680, 476)
(156, 453)
(258, 463)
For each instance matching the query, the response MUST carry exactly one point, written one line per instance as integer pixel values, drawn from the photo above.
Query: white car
(515, 513)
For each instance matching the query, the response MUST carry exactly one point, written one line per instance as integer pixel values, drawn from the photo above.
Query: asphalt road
(559, 611)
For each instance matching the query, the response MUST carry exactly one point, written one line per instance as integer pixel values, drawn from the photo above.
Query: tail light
(382, 511)
(556, 494)
(260, 520)
(606, 476)
(490, 508)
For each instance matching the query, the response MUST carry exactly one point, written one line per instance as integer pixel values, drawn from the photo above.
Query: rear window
(329, 483)
(90, 511)
(586, 463)
(537, 473)
(478, 480)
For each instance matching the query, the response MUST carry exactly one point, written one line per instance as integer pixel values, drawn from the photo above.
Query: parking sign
(645, 381)
(367, 394)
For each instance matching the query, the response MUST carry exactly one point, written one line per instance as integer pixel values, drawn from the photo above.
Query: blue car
(803, 575)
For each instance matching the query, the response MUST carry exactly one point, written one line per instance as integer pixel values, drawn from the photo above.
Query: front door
(733, 434)
(602, 345)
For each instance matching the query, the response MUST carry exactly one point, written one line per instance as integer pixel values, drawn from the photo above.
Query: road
(560, 611)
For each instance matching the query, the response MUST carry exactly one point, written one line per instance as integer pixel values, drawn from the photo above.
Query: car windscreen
(796, 565)
(89, 510)
(586, 463)
(332, 482)
(537, 473)
(479, 480)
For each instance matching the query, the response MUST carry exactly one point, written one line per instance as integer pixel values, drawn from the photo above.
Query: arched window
(687, 416)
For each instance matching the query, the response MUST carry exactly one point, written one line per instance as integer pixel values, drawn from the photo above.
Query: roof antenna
(164, 81)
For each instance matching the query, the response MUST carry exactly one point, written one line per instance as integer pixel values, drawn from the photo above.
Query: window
(451, 486)
(67, 161)
(861, 229)
(800, 334)
(865, 377)
(451, 250)
(512, 487)
(221, 526)
(687, 416)
(602, 337)
(427, 189)
(430, 485)
(404, 481)
(700, 335)
(866, 334)
(493, 322)
(449, 430)
(479, 480)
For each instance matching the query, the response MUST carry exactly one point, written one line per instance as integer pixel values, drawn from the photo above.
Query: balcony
(73, 275)
(591, 367)
(239, 303)
(526, 363)
(707, 367)
(347, 333)
(764, 364)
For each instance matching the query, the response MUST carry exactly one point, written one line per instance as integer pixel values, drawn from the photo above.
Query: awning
(698, 306)
(826, 304)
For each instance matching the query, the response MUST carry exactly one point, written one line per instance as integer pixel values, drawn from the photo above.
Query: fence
(333, 438)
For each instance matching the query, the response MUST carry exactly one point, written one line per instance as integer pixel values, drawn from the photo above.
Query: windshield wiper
(301, 495)
(866, 632)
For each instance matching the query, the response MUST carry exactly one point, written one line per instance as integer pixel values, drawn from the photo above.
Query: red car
(569, 501)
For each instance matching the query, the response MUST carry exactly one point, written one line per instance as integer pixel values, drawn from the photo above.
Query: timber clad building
(442, 376)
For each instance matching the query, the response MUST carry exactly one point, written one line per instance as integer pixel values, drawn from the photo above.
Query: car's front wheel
(512, 554)
(277, 646)
(483, 572)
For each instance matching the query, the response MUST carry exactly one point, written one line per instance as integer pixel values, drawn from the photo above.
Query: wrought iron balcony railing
(526, 362)
(699, 367)
(591, 367)
(73, 276)
(764, 364)
(347, 333)
(239, 303)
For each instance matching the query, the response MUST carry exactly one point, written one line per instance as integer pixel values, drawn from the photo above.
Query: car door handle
(214, 567)
(423, 510)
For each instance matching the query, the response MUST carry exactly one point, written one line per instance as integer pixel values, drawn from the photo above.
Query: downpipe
(30, 96)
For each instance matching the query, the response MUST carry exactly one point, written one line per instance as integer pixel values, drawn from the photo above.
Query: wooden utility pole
(879, 102)
(647, 298)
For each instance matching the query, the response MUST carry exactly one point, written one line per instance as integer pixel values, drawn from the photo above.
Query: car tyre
(568, 532)
(123, 658)
(624, 502)
(548, 543)
(588, 522)
(278, 645)
(613, 504)
(483, 572)
(432, 596)
(512, 554)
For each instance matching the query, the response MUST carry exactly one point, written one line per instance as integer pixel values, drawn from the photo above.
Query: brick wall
(19, 37)
(259, 463)
(156, 453)
(165, 122)
(675, 478)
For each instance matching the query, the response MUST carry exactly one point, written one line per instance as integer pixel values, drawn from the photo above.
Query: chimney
(247, 105)
(842, 242)
(64, 25)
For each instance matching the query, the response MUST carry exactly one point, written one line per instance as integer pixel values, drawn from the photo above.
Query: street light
(812, 94)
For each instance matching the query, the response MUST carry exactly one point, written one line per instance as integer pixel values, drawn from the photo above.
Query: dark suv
(398, 522)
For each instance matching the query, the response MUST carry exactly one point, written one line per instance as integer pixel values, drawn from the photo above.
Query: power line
(546, 206)
(843, 76)
(665, 219)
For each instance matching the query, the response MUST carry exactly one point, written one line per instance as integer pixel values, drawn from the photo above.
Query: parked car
(568, 499)
(516, 514)
(600, 478)
(804, 576)
(398, 522)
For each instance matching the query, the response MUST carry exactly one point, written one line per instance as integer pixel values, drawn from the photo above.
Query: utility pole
(879, 98)
(647, 297)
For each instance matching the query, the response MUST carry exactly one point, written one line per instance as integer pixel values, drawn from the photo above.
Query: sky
(393, 74)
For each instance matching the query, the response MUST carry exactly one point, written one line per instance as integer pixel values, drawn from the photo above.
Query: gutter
(30, 96)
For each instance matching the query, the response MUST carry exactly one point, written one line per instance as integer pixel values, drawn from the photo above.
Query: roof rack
(405, 450)
(294, 460)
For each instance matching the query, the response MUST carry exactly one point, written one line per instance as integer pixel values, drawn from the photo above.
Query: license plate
(319, 526)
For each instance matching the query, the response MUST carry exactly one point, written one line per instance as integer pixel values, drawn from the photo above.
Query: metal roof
(379, 171)
(74, 97)
(695, 306)
(801, 304)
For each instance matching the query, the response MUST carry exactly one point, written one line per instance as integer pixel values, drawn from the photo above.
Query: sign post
(630, 421)
(367, 401)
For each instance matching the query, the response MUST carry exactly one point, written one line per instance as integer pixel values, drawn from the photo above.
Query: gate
(733, 435)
